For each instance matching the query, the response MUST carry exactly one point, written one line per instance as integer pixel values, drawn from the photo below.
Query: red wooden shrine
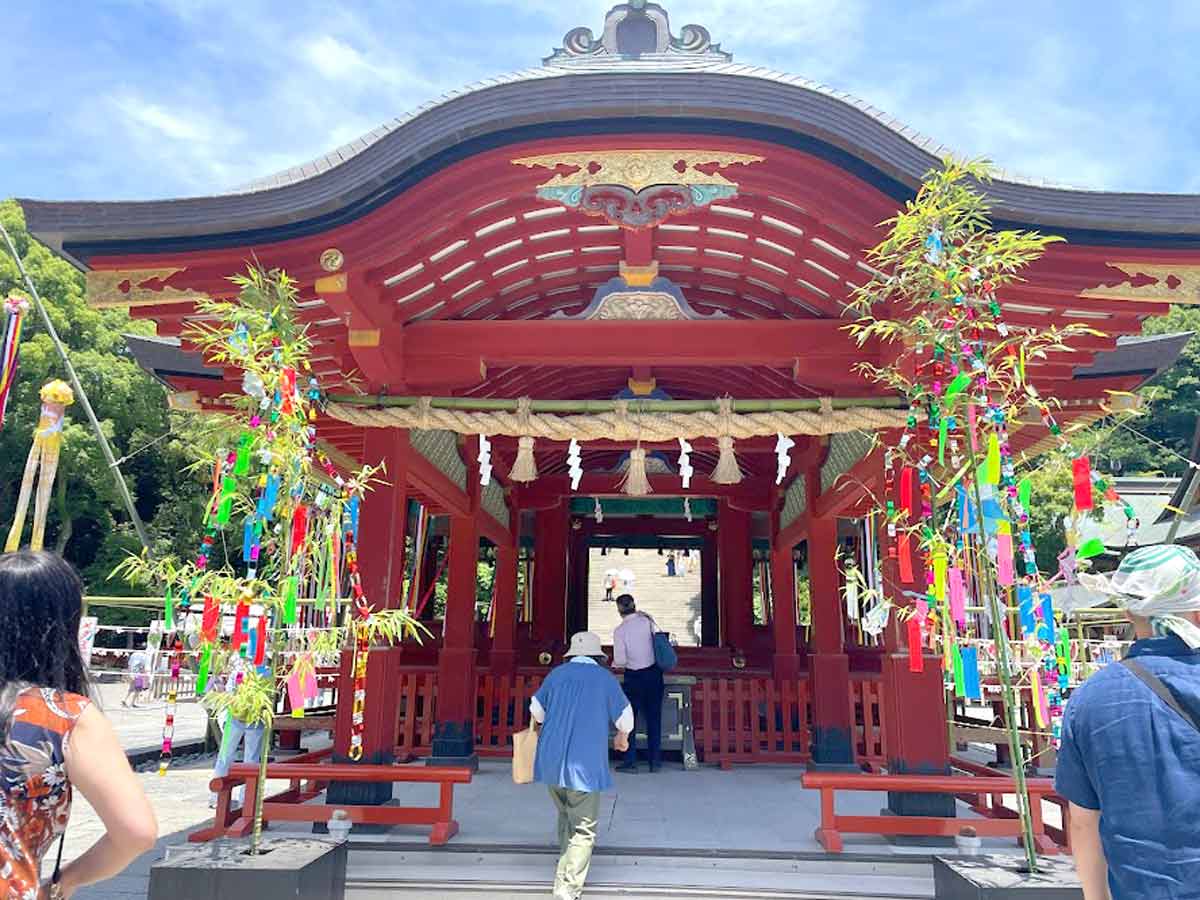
(640, 217)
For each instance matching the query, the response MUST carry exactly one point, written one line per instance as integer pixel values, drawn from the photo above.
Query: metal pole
(122, 487)
(1189, 496)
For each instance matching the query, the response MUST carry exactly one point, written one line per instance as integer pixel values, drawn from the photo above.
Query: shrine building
(637, 227)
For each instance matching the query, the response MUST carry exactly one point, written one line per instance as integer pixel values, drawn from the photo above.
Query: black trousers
(644, 688)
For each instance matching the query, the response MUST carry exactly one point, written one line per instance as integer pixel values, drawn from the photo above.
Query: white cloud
(332, 58)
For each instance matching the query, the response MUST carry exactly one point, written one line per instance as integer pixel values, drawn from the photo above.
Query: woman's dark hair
(41, 603)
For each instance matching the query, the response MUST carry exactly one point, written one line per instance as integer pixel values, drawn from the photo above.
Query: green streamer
(225, 511)
(241, 463)
(1090, 548)
(289, 600)
(168, 611)
(943, 428)
(956, 387)
(959, 689)
(1025, 492)
(202, 675)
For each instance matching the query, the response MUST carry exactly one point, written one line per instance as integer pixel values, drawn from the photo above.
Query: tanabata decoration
(484, 458)
(284, 595)
(47, 442)
(783, 444)
(15, 308)
(574, 463)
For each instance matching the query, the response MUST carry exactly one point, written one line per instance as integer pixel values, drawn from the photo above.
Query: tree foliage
(87, 522)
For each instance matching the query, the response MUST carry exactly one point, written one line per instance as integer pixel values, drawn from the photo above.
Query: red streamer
(916, 656)
(299, 528)
(260, 647)
(211, 619)
(906, 492)
(905, 552)
(1081, 470)
(240, 618)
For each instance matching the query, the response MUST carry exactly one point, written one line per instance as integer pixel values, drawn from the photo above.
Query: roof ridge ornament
(634, 30)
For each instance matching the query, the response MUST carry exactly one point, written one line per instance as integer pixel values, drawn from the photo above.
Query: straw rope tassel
(636, 482)
(525, 467)
(727, 470)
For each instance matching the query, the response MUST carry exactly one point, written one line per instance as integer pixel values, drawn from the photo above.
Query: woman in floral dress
(55, 740)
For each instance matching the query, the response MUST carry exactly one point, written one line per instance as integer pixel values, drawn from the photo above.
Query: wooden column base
(832, 729)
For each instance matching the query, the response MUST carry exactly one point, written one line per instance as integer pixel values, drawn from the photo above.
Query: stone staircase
(673, 602)
(515, 873)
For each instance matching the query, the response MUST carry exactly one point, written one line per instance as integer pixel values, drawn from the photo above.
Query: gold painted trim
(1171, 284)
(332, 284)
(639, 276)
(637, 169)
(364, 337)
(108, 288)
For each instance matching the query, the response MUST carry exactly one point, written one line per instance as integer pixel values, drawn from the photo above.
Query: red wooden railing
(866, 719)
(502, 709)
(751, 720)
(415, 718)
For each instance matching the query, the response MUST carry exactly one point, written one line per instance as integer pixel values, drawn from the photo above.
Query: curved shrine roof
(679, 85)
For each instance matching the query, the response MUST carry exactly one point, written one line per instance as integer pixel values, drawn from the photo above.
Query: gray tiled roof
(728, 94)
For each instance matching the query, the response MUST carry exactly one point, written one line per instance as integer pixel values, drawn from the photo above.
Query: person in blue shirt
(1129, 763)
(575, 705)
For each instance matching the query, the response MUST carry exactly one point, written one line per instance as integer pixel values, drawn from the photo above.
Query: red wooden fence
(866, 719)
(502, 709)
(418, 697)
(751, 720)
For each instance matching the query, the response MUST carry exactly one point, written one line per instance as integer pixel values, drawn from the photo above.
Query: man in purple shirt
(633, 651)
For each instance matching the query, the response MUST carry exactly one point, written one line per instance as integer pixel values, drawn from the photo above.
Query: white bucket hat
(1156, 583)
(586, 643)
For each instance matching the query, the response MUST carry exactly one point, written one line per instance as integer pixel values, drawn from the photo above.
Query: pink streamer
(971, 427)
(295, 691)
(1004, 560)
(958, 596)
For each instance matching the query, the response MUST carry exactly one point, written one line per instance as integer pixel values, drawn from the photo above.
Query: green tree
(1172, 405)
(87, 522)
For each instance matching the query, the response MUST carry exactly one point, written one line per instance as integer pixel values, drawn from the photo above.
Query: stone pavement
(142, 727)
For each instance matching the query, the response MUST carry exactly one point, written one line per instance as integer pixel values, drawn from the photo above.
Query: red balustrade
(751, 720)
(866, 718)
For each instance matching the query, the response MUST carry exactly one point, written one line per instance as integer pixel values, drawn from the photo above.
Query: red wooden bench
(991, 803)
(309, 779)
(829, 834)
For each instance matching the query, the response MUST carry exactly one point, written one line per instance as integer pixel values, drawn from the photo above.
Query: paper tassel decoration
(916, 658)
(47, 442)
(687, 508)
(636, 482)
(10, 347)
(685, 463)
(484, 458)
(783, 444)
(1081, 474)
(972, 689)
(727, 470)
(574, 464)
(525, 467)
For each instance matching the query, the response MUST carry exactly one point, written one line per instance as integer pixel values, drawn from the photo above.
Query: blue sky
(129, 99)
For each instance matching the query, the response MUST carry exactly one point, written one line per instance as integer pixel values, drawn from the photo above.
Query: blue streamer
(352, 512)
(970, 665)
(1025, 605)
(1046, 628)
(248, 538)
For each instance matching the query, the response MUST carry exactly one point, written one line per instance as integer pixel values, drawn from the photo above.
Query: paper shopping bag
(524, 750)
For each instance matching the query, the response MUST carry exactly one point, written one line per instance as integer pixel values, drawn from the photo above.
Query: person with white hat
(1129, 763)
(575, 705)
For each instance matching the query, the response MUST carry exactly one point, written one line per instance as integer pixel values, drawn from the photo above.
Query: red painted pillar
(735, 552)
(454, 731)
(914, 705)
(550, 578)
(828, 665)
(504, 653)
(786, 663)
(383, 521)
